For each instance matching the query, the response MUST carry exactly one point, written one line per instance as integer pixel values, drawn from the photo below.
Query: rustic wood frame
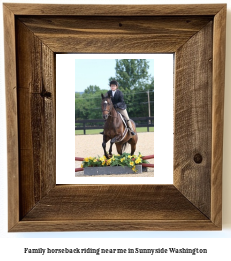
(33, 34)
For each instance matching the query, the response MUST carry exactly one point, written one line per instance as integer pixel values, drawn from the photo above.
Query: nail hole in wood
(120, 24)
(198, 158)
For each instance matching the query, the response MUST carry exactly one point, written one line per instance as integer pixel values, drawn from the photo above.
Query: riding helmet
(114, 82)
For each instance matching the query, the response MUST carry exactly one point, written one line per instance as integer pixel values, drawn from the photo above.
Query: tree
(134, 81)
(92, 89)
(79, 110)
(131, 74)
(88, 105)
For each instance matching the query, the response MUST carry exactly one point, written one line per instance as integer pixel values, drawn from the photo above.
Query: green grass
(97, 131)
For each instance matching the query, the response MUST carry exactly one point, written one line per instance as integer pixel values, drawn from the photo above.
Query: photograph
(111, 137)
(114, 117)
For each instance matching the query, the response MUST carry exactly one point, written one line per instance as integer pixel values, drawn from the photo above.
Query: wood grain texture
(11, 116)
(114, 10)
(113, 202)
(218, 115)
(36, 106)
(111, 207)
(114, 34)
(193, 114)
(114, 225)
(194, 201)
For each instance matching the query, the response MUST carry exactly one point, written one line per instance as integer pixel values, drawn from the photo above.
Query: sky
(97, 72)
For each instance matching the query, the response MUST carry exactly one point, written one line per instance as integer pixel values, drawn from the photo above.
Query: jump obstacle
(143, 164)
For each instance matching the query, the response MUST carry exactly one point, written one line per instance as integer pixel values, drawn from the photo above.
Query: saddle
(125, 129)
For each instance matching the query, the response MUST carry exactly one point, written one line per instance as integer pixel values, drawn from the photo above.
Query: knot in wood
(46, 94)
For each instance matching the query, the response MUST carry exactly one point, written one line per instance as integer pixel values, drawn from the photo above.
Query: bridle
(109, 111)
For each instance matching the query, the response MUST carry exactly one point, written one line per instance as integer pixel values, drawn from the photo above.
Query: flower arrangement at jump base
(116, 160)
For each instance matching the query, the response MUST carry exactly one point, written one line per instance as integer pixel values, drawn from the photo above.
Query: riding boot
(130, 128)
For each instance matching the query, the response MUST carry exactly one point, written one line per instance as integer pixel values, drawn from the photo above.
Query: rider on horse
(119, 104)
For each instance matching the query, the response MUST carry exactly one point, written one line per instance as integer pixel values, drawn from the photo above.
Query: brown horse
(115, 130)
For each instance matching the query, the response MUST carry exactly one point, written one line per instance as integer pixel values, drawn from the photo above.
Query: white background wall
(217, 243)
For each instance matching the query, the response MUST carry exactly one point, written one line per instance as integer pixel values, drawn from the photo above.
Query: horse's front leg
(105, 140)
(119, 148)
(111, 142)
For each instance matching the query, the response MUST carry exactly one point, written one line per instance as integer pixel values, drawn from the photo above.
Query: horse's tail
(124, 146)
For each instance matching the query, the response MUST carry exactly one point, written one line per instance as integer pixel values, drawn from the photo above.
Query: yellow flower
(104, 157)
(134, 169)
(122, 159)
(82, 165)
(86, 159)
(138, 161)
(90, 158)
(134, 156)
(140, 156)
(94, 160)
(103, 162)
(101, 159)
(129, 156)
(131, 163)
(108, 162)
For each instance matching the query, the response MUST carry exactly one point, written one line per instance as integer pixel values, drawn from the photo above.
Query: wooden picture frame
(33, 34)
